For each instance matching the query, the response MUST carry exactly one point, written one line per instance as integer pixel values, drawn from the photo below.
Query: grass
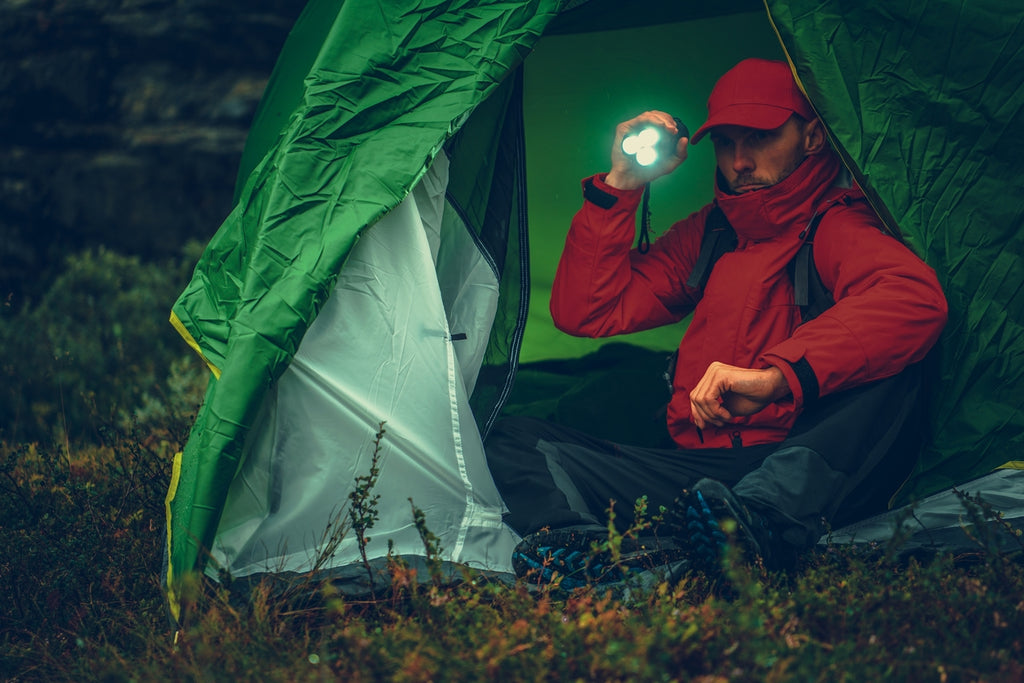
(82, 537)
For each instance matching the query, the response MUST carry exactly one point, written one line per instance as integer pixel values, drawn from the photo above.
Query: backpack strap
(719, 238)
(809, 292)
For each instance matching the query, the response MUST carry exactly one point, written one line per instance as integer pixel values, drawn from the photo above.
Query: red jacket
(889, 307)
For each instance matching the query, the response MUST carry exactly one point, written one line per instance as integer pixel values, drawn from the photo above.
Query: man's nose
(742, 161)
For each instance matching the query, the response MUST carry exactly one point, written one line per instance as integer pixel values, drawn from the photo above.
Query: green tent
(377, 266)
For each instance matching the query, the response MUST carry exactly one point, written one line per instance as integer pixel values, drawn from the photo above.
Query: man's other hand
(726, 392)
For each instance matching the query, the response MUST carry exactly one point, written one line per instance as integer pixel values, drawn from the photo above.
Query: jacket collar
(784, 207)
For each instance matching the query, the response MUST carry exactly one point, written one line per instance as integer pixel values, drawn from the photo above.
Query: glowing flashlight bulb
(631, 144)
(649, 137)
(646, 156)
(641, 145)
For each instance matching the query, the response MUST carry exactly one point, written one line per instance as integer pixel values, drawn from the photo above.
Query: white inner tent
(400, 341)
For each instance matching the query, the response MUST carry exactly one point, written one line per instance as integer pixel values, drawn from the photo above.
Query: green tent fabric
(927, 100)
(368, 99)
(384, 92)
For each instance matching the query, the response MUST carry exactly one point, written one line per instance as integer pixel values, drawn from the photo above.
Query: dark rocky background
(122, 123)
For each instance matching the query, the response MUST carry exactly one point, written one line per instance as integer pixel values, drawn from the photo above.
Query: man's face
(752, 159)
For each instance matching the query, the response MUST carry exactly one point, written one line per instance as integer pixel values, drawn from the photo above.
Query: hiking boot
(709, 516)
(570, 553)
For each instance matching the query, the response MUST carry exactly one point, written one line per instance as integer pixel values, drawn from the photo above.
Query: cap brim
(759, 116)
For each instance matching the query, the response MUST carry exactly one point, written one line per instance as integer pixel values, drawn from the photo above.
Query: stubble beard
(753, 181)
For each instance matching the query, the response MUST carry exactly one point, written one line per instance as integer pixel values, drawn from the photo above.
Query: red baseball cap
(756, 93)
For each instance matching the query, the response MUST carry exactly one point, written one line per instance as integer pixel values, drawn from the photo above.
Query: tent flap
(926, 99)
(387, 105)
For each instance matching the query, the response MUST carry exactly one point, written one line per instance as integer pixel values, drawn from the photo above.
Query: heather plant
(85, 604)
(84, 464)
(362, 506)
(995, 538)
(431, 545)
(81, 535)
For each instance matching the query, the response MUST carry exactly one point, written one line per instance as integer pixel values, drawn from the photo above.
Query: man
(781, 425)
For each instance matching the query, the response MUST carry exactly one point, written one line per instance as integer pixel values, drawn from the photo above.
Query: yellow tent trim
(180, 327)
(173, 601)
(1012, 465)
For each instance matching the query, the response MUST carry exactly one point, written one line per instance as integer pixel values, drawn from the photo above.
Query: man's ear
(814, 136)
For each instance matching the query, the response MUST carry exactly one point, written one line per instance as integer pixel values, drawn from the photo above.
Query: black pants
(842, 461)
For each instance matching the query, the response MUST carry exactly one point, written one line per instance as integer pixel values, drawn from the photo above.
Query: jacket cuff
(602, 195)
(799, 374)
(807, 381)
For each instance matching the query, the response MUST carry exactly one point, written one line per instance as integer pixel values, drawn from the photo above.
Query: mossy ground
(83, 532)
(82, 485)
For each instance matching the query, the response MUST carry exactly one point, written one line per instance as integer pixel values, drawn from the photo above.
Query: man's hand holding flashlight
(628, 173)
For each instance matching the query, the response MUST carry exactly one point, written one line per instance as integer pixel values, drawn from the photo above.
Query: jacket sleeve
(603, 286)
(889, 311)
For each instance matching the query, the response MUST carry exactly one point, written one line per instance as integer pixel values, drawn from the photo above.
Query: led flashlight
(644, 145)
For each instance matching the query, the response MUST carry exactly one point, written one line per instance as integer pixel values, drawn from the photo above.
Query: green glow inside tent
(575, 96)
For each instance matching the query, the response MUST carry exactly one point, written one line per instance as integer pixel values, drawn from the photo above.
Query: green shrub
(94, 349)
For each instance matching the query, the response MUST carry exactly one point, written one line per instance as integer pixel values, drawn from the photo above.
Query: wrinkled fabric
(389, 84)
(926, 98)
(409, 303)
